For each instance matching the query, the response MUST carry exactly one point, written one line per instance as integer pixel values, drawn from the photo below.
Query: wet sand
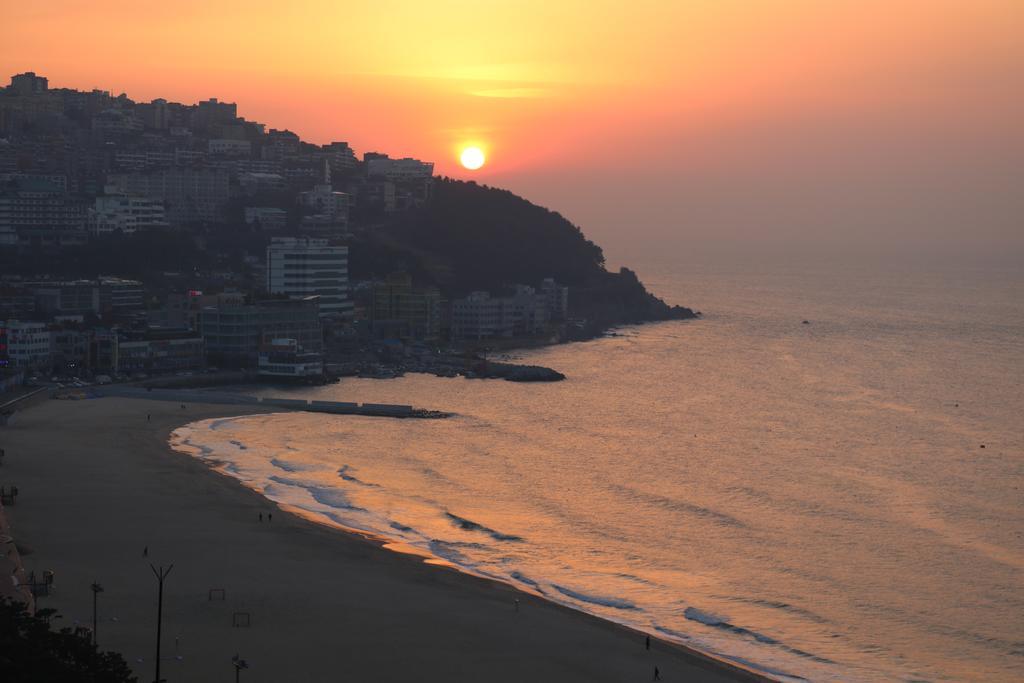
(99, 484)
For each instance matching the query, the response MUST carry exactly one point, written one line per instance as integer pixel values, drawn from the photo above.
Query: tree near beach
(30, 651)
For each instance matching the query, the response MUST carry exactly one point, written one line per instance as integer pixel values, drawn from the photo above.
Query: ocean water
(812, 500)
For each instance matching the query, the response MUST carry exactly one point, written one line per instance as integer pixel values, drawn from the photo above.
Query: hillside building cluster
(79, 169)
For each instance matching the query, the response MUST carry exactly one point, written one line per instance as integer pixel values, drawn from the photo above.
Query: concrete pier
(227, 398)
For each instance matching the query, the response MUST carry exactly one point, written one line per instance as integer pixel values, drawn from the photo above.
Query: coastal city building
(229, 147)
(341, 156)
(155, 115)
(8, 234)
(378, 195)
(556, 299)
(254, 183)
(212, 111)
(24, 344)
(412, 178)
(180, 310)
(157, 351)
(104, 296)
(329, 207)
(266, 218)
(235, 333)
(481, 316)
(120, 296)
(285, 358)
(301, 267)
(27, 100)
(37, 210)
(399, 170)
(71, 348)
(16, 301)
(125, 214)
(72, 297)
(399, 309)
(478, 316)
(112, 124)
(190, 194)
(29, 84)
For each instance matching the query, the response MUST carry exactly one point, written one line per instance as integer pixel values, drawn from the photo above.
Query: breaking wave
(715, 621)
(292, 466)
(470, 525)
(449, 550)
(343, 472)
(321, 494)
(616, 603)
(522, 578)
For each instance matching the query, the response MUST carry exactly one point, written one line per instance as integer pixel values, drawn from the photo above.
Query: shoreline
(407, 550)
(594, 639)
(508, 357)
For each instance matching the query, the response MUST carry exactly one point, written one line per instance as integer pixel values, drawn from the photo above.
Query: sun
(472, 158)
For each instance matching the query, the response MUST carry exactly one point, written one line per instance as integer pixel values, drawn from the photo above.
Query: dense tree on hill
(488, 238)
(471, 237)
(32, 652)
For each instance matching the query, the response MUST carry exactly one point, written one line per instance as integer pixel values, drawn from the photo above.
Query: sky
(657, 127)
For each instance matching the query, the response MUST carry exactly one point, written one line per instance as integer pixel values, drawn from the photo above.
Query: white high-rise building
(125, 213)
(481, 316)
(399, 169)
(302, 267)
(24, 344)
(331, 207)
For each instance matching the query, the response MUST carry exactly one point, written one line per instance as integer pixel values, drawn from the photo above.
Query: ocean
(840, 499)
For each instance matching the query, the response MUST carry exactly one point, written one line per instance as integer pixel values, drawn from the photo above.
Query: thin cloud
(512, 93)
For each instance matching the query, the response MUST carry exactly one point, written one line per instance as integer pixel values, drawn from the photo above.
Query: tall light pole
(96, 590)
(160, 575)
(239, 665)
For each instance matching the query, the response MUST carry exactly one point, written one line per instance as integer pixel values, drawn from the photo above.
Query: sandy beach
(99, 483)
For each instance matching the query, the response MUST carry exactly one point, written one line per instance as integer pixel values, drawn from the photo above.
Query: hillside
(467, 237)
(472, 237)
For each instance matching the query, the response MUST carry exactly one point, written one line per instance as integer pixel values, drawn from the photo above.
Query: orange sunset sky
(673, 121)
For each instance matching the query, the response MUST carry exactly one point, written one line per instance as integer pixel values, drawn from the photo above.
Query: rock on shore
(524, 373)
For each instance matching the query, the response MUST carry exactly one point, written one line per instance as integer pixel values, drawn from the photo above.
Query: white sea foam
(694, 614)
(289, 466)
(617, 603)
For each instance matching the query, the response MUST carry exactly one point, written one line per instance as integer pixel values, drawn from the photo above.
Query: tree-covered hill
(491, 237)
(473, 237)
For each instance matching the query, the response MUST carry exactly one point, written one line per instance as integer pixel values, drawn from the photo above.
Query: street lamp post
(160, 575)
(96, 590)
(239, 665)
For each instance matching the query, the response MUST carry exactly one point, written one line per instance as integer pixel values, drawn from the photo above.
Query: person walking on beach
(647, 643)
(145, 551)
(270, 516)
(657, 675)
(148, 417)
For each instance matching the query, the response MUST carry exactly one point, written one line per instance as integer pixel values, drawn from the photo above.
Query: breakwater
(228, 398)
